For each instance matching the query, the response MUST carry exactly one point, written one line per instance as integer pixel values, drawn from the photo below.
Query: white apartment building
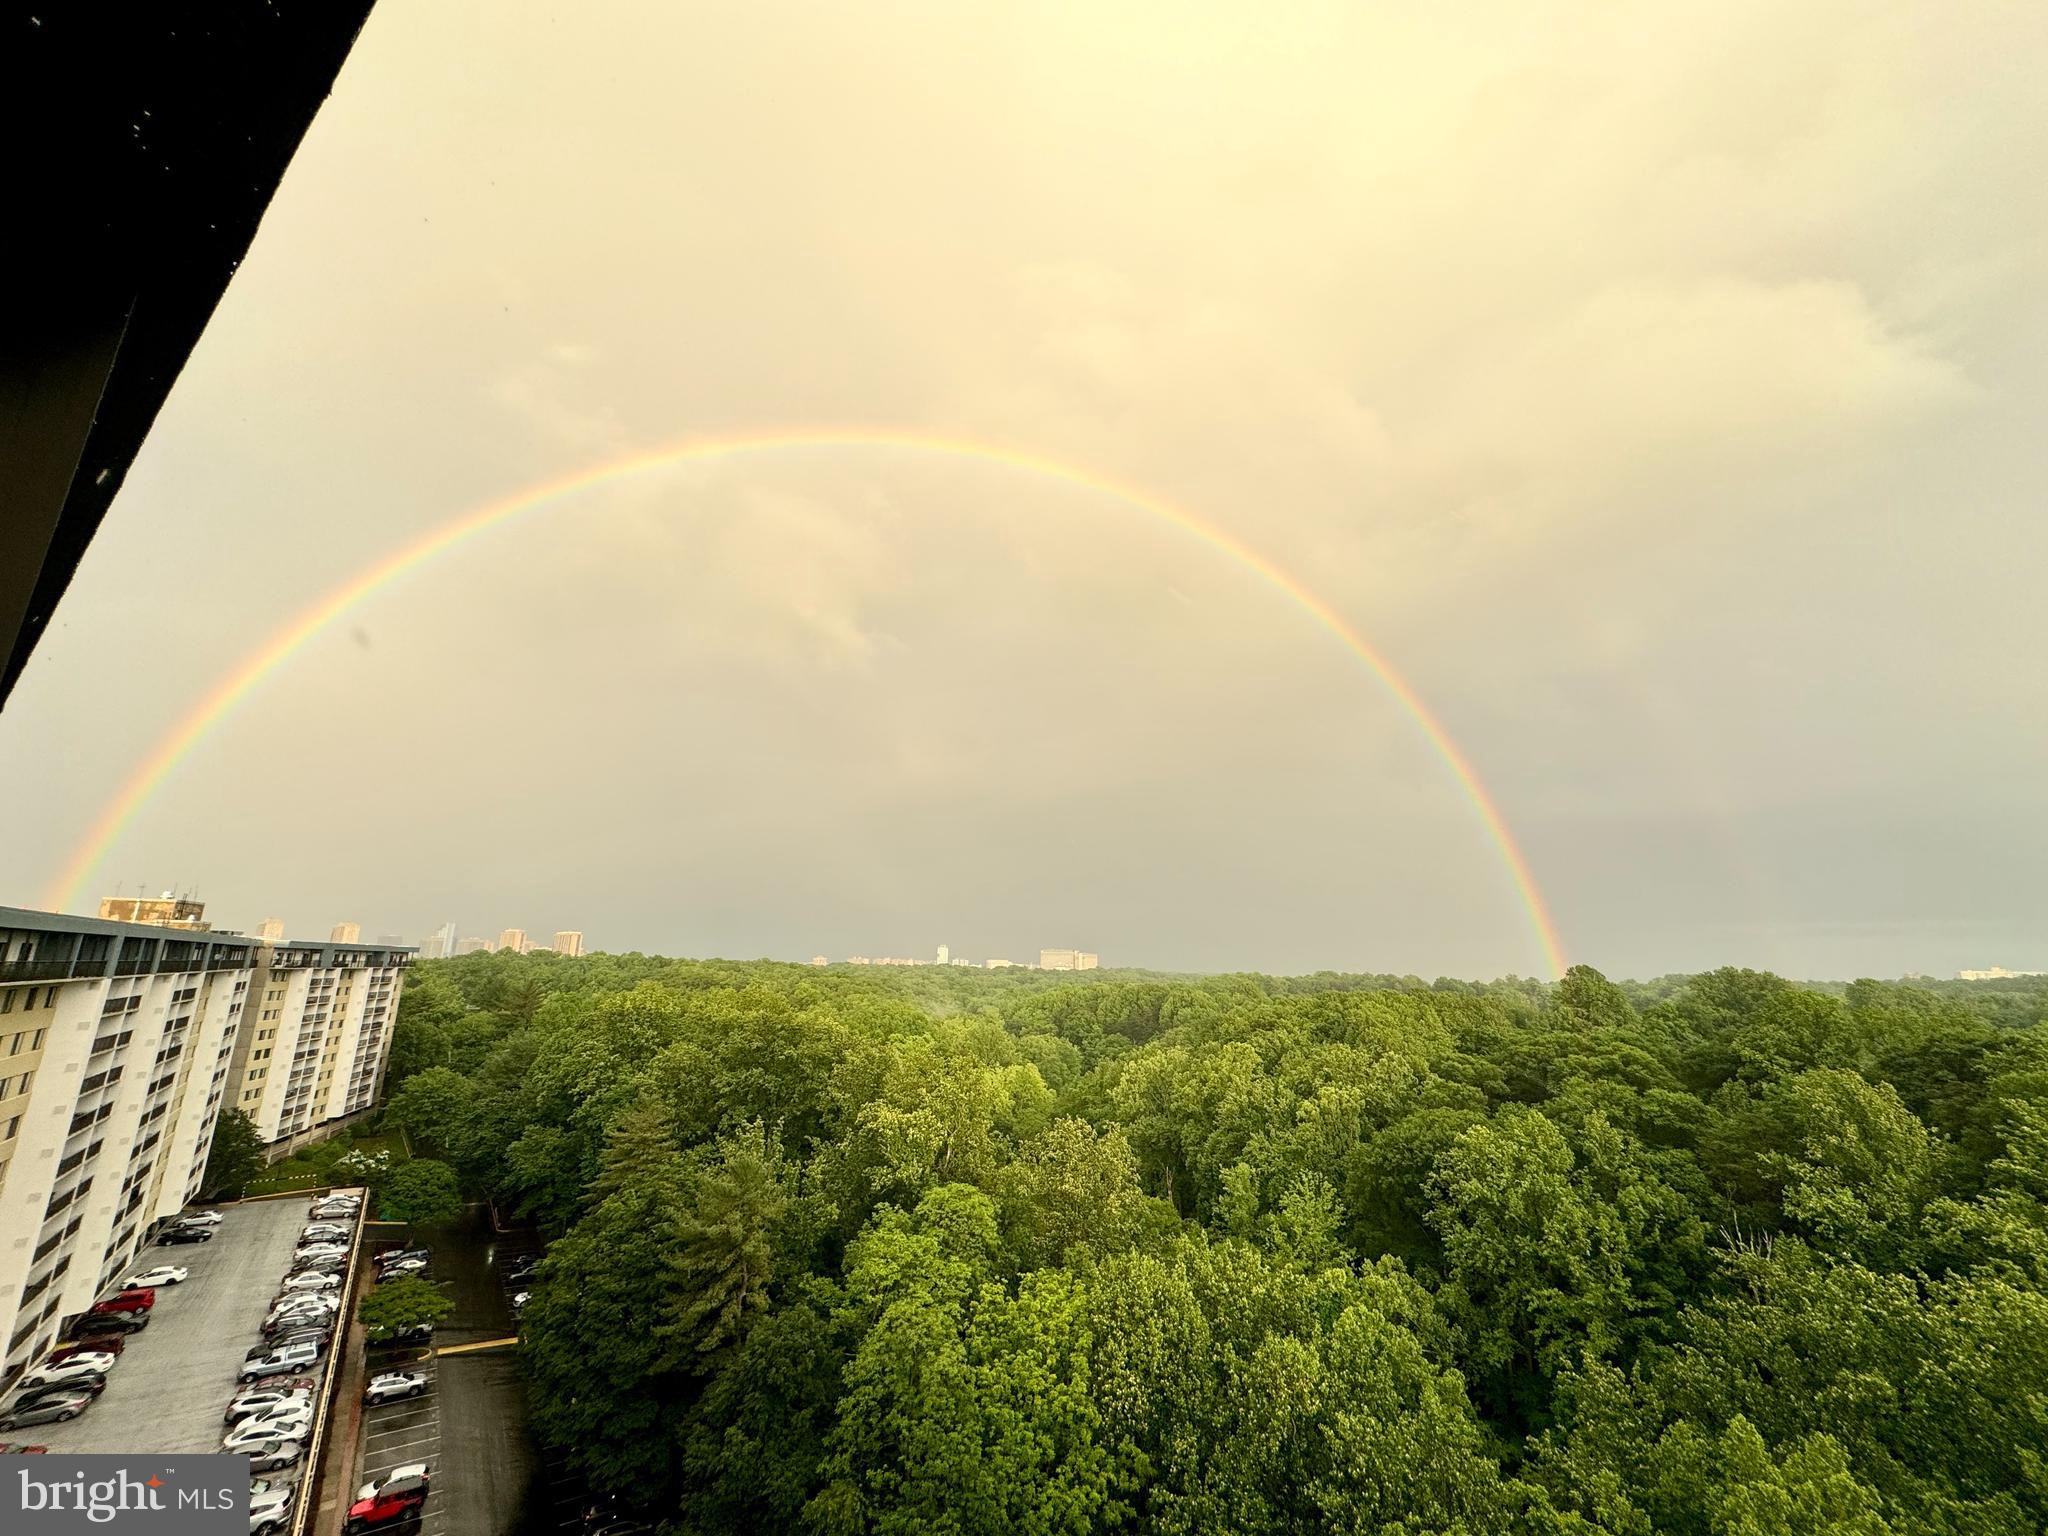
(317, 1032)
(115, 1041)
(568, 942)
(120, 1043)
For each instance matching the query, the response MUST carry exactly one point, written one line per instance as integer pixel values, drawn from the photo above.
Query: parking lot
(469, 1426)
(395, 1434)
(168, 1389)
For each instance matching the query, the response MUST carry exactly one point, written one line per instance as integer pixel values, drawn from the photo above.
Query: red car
(394, 1500)
(127, 1301)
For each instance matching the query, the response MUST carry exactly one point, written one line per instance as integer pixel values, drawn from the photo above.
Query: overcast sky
(1662, 395)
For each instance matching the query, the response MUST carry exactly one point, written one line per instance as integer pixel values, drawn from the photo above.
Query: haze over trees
(958, 1252)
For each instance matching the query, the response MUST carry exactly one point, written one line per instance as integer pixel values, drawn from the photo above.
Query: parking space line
(399, 1445)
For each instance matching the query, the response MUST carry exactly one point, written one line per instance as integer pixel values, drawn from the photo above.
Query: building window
(50, 998)
(7, 1131)
(37, 1043)
(29, 1001)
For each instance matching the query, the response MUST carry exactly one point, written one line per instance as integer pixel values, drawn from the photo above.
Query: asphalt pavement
(168, 1389)
(470, 1428)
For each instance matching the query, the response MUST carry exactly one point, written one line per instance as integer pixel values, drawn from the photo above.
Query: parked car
(91, 1344)
(521, 1270)
(200, 1219)
(310, 1334)
(393, 1255)
(291, 1421)
(295, 1322)
(34, 1396)
(412, 1333)
(163, 1274)
(399, 1499)
(311, 1280)
(55, 1409)
(255, 1432)
(273, 1454)
(175, 1235)
(285, 1360)
(270, 1506)
(325, 1231)
(138, 1299)
(67, 1372)
(291, 1308)
(334, 1265)
(519, 1301)
(402, 1267)
(393, 1386)
(304, 1333)
(316, 1250)
(255, 1400)
(102, 1361)
(92, 1324)
(399, 1474)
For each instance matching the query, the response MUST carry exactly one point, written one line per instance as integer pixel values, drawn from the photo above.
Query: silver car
(271, 1454)
(391, 1386)
(270, 1506)
(52, 1408)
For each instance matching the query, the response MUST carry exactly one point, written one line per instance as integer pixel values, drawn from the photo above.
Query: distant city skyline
(1048, 960)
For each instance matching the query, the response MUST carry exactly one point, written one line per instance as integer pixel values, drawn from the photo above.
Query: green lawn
(312, 1167)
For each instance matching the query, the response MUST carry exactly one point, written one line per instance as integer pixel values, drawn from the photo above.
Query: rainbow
(190, 730)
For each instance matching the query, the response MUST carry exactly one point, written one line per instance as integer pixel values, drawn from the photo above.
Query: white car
(315, 1305)
(313, 1280)
(410, 1469)
(270, 1506)
(163, 1274)
(200, 1219)
(256, 1400)
(320, 1251)
(332, 1231)
(391, 1386)
(254, 1432)
(64, 1372)
(289, 1421)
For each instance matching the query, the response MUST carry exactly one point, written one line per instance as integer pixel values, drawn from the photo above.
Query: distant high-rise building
(1995, 973)
(513, 939)
(346, 933)
(945, 955)
(439, 944)
(998, 965)
(471, 946)
(1066, 960)
(568, 942)
(819, 960)
(272, 928)
(165, 911)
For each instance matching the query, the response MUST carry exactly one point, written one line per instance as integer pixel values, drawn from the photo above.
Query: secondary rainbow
(283, 645)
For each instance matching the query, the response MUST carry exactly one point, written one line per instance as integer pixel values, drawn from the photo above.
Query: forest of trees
(941, 1251)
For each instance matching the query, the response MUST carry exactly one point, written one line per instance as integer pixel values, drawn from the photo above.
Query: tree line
(946, 1251)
